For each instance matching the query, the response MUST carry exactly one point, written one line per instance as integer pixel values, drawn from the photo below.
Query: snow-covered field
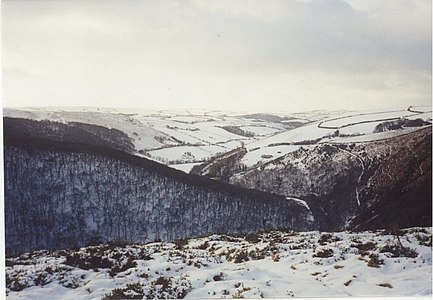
(265, 154)
(308, 132)
(352, 128)
(184, 167)
(374, 136)
(170, 137)
(185, 154)
(349, 119)
(271, 265)
(182, 138)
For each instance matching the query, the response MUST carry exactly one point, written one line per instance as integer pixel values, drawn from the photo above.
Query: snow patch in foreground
(275, 264)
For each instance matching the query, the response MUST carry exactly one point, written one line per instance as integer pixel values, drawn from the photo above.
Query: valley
(96, 197)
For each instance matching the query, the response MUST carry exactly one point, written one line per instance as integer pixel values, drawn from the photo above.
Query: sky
(247, 55)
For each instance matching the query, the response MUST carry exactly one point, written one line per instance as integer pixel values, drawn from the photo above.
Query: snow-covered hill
(272, 265)
(180, 139)
(183, 139)
(347, 127)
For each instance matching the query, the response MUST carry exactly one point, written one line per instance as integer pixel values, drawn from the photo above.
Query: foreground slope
(272, 265)
(65, 194)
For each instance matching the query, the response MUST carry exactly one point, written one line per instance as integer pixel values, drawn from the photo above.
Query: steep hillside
(399, 186)
(62, 194)
(349, 185)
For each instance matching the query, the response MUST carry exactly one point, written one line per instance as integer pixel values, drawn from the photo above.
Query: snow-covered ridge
(272, 264)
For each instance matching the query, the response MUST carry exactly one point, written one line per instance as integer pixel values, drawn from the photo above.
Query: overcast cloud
(250, 55)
